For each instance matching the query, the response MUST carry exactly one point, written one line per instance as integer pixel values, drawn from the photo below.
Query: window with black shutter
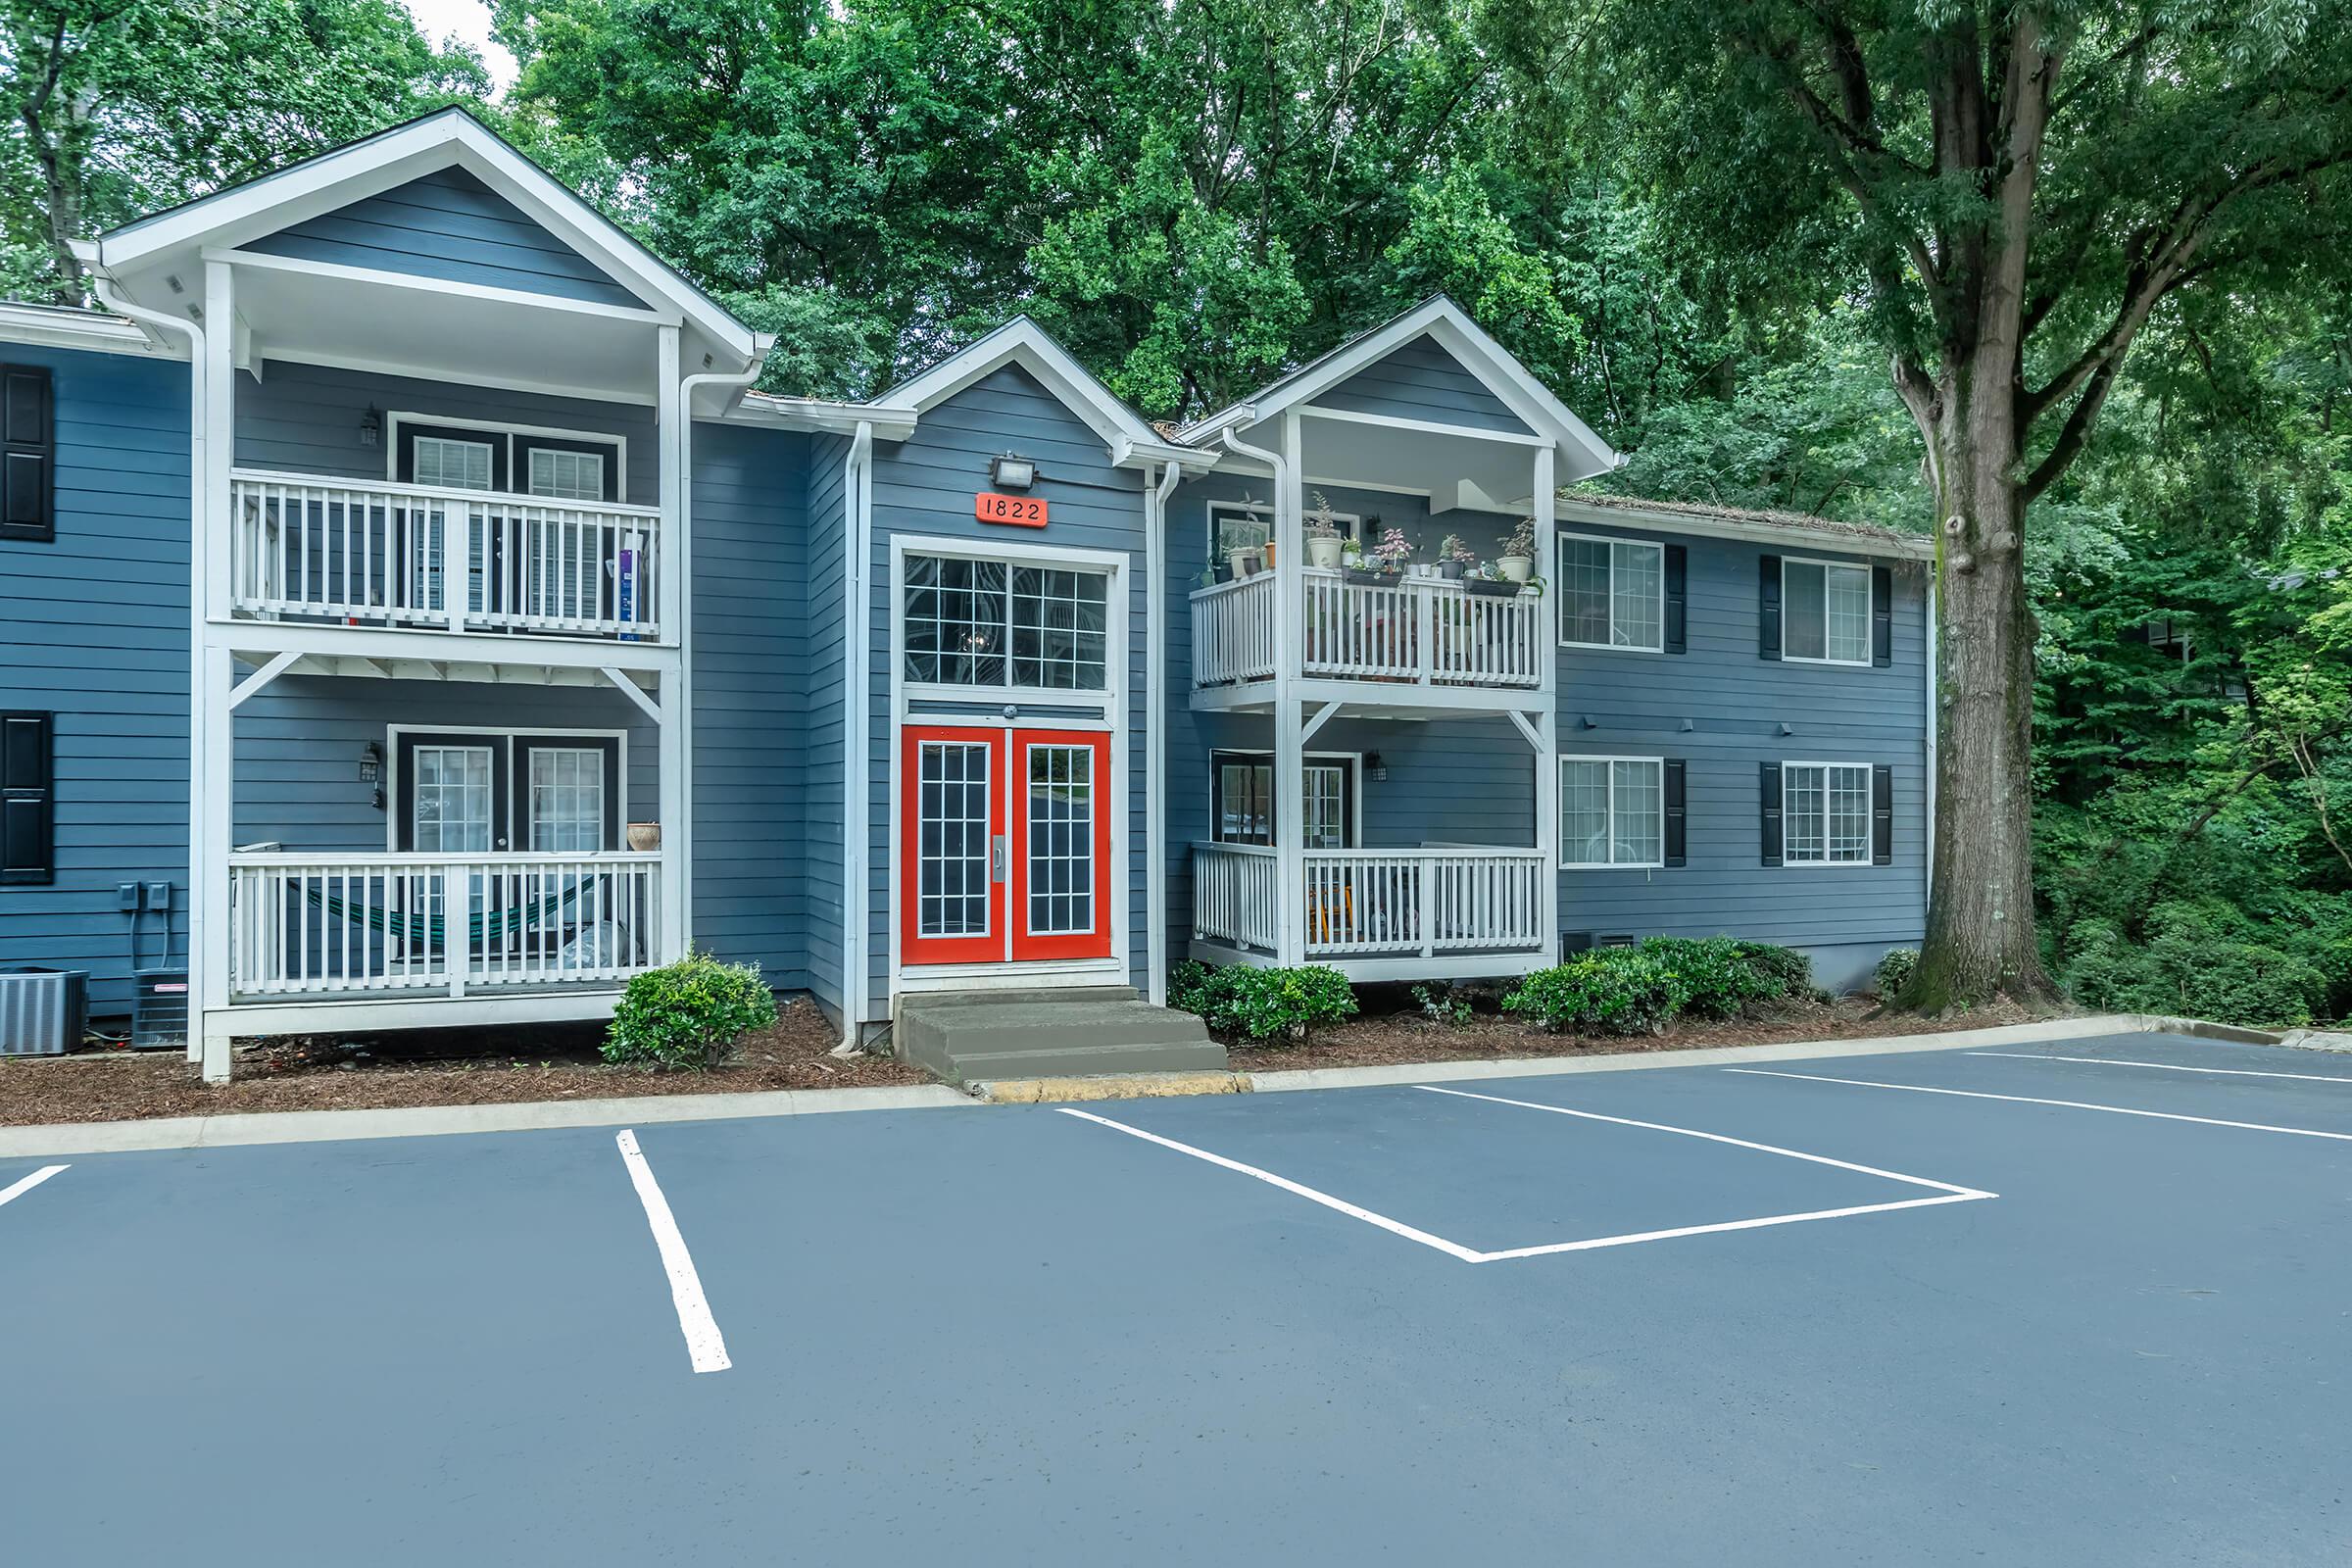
(1882, 617)
(1768, 607)
(27, 823)
(1768, 791)
(1882, 816)
(1678, 598)
(1677, 813)
(28, 454)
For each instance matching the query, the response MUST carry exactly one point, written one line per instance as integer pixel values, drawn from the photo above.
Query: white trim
(1867, 770)
(1561, 859)
(1021, 341)
(1353, 762)
(1641, 520)
(1020, 974)
(1560, 592)
(57, 327)
(857, 727)
(472, 1011)
(1870, 592)
(1156, 494)
(491, 293)
(392, 801)
(440, 373)
(260, 677)
(1391, 421)
(1118, 567)
(395, 418)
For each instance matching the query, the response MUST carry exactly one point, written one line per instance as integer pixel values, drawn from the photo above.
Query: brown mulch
(440, 1067)
(1407, 1038)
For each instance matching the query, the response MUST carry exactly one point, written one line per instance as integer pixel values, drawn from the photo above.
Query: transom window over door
(1010, 626)
(1612, 593)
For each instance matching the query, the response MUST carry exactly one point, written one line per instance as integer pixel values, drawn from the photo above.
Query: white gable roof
(1449, 325)
(446, 138)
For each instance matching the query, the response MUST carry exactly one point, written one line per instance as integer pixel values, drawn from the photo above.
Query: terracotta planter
(645, 837)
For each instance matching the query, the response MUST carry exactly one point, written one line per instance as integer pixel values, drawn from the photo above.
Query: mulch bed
(437, 1067)
(1406, 1036)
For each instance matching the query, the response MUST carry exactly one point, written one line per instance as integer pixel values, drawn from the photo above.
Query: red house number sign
(1022, 511)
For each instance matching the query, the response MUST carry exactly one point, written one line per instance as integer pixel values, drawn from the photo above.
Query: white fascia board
(1641, 520)
(63, 327)
(775, 412)
(1021, 341)
(380, 163)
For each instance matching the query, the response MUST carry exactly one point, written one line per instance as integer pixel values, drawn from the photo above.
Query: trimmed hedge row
(1263, 1003)
(1640, 990)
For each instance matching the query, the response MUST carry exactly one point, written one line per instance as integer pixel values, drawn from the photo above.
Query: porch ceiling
(1463, 469)
(487, 670)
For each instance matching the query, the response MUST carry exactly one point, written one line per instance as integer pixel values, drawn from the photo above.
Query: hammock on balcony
(485, 926)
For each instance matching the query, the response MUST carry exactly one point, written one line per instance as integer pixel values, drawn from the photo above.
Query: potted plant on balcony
(1491, 579)
(1322, 535)
(1454, 558)
(1388, 561)
(1244, 560)
(1518, 558)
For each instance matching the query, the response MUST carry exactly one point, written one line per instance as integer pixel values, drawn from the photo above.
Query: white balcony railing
(1375, 903)
(1427, 631)
(356, 924)
(362, 553)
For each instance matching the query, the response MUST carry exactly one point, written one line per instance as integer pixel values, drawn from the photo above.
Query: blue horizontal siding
(450, 226)
(1421, 381)
(825, 817)
(94, 628)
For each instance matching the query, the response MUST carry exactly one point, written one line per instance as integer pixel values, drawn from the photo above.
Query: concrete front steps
(969, 1037)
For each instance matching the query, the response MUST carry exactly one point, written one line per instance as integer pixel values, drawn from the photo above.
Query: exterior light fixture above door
(1008, 472)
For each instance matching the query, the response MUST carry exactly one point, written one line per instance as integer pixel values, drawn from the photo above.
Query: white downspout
(1156, 740)
(856, 489)
(200, 848)
(681, 711)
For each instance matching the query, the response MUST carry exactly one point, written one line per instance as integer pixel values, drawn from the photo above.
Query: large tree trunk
(1981, 939)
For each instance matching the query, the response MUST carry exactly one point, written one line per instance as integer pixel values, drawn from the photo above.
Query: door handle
(995, 858)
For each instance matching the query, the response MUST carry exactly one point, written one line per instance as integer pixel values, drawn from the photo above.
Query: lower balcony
(1439, 911)
(407, 927)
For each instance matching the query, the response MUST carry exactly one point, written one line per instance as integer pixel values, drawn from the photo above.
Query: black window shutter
(1677, 815)
(28, 454)
(28, 838)
(1768, 788)
(1768, 607)
(1882, 816)
(1882, 615)
(1678, 598)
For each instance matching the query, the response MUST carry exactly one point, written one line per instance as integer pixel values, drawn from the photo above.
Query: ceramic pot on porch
(1323, 551)
(1450, 570)
(1245, 562)
(1515, 568)
(645, 837)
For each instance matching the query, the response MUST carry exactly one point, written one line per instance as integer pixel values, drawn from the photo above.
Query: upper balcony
(1412, 641)
(335, 552)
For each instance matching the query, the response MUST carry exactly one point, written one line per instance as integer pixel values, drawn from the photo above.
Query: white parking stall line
(2166, 1066)
(704, 1347)
(25, 1184)
(1340, 1205)
(1961, 1195)
(2034, 1099)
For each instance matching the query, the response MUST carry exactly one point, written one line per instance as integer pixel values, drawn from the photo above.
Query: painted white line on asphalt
(1398, 1227)
(26, 1183)
(2069, 1104)
(1964, 1195)
(2167, 1066)
(704, 1345)
(1737, 1142)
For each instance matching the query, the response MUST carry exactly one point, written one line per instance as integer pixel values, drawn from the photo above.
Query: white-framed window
(1824, 813)
(454, 454)
(448, 464)
(1242, 798)
(1612, 812)
(1249, 524)
(565, 475)
(1612, 593)
(1005, 625)
(1825, 613)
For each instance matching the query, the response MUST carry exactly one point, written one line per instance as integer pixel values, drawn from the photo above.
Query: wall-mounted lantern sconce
(372, 771)
(1008, 472)
(1374, 768)
(371, 425)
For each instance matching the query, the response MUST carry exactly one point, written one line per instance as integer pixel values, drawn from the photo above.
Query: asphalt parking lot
(2082, 1302)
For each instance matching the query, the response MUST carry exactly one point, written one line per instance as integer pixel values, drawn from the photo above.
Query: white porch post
(1548, 722)
(211, 744)
(670, 574)
(1290, 624)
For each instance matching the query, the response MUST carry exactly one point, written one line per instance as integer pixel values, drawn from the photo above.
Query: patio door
(1005, 845)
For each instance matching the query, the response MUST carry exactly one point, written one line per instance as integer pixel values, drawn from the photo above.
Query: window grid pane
(1585, 813)
(1061, 840)
(1326, 807)
(1803, 794)
(1848, 614)
(567, 801)
(1584, 591)
(567, 476)
(953, 855)
(1639, 832)
(1061, 622)
(1848, 816)
(1637, 597)
(1242, 530)
(452, 464)
(1803, 611)
(451, 812)
(954, 620)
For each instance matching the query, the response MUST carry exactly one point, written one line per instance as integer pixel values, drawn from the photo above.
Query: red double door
(1005, 844)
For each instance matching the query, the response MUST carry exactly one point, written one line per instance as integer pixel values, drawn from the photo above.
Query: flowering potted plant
(1322, 535)
(1385, 562)
(1454, 558)
(1518, 558)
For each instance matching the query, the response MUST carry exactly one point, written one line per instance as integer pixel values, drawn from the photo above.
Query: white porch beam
(260, 677)
(1545, 737)
(671, 413)
(1289, 742)
(1534, 735)
(207, 895)
(1324, 715)
(256, 639)
(637, 694)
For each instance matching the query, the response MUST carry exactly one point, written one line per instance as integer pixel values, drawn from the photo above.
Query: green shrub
(1895, 969)
(1618, 991)
(1443, 1002)
(1718, 975)
(1788, 971)
(2197, 958)
(1263, 1003)
(689, 1013)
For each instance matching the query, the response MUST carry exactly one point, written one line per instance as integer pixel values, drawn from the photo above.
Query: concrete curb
(2016, 1034)
(1109, 1086)
(431, 1122)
